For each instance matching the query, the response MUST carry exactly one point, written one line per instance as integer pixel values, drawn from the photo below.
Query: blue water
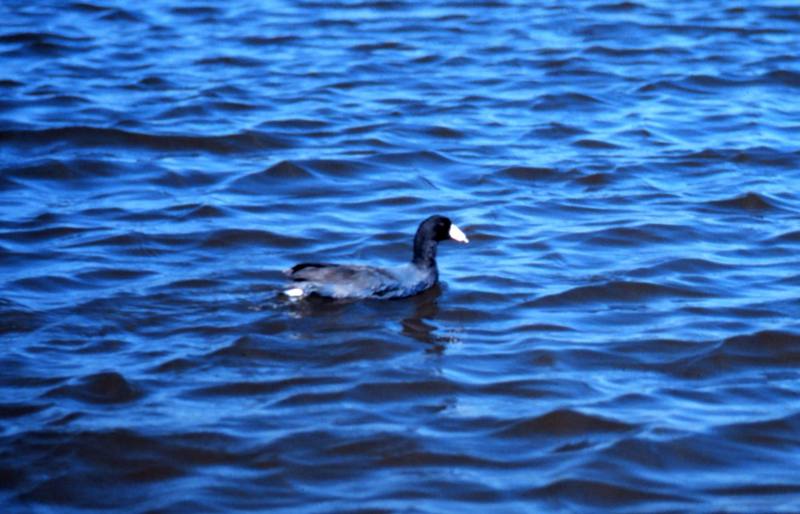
(621, 334)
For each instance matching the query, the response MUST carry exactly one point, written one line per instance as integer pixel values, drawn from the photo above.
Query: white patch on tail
(456, 234)
(294, 292)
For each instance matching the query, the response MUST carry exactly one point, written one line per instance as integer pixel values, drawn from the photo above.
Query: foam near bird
(355, 282)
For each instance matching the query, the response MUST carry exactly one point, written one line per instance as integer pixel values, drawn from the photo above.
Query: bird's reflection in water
(417, 316)
(418, 325)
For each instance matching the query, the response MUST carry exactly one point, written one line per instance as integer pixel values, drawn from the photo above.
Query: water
(621, 333)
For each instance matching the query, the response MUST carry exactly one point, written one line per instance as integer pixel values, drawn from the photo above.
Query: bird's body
(357, 282)
(341, 281)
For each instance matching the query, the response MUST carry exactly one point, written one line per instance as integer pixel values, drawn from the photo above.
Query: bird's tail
(294, 292)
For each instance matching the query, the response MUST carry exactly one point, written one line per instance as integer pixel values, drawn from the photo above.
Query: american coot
(340, 281)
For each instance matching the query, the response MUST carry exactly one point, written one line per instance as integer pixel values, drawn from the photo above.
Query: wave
(51, 283)
(99, 388)
(791, 237)
(636, 236)
(414, 157)
(760, 155)
(16, 318)
(529, 173)
(270, 41)
(556, 130)
(615, 291)
(761, 350)
(605, 494)
(747, 202)
(74, 170)
(226, 238)
(681, 265)
(94, 137)
(553, 102)
(561, 423)
(44, 234)
(107, 275)
(226, 61)
(783, 77)
(275, 174)
(262, 388)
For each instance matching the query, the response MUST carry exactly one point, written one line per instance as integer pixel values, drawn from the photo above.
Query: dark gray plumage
(343, 281)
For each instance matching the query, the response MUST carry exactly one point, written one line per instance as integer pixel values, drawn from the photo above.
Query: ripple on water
(94, 137)
(747, 202)
(99, 388)
(768, 350)
(614, 292)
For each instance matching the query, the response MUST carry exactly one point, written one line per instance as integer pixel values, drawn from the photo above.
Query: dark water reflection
(621, 334)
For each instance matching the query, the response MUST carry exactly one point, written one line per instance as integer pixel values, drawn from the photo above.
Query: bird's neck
(424, 252)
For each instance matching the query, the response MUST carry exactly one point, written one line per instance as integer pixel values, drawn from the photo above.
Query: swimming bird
(356, 282)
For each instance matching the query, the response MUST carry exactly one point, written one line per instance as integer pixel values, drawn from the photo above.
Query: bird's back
(339, 281)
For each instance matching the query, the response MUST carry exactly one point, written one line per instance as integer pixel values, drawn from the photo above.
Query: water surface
(621, 333)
